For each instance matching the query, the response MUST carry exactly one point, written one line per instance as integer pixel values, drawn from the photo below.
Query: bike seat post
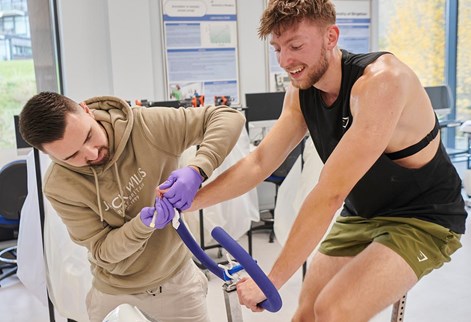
(233, 308)
(399, 309)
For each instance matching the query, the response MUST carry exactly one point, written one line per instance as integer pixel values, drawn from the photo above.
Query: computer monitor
(441, 99)
(263, 109)
(263, 106)
(20, 142)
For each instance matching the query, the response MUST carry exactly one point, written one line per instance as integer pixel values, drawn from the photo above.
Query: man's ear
(84, 106)
(86, 109)
(332, 36)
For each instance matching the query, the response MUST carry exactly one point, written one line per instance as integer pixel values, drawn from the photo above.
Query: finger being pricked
(249, 294)
(160, 192)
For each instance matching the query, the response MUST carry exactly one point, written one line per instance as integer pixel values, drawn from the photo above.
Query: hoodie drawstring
(97, 188)
(120, 187)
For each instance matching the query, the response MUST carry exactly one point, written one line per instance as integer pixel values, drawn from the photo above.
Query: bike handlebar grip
(273, 302)
(205, 260)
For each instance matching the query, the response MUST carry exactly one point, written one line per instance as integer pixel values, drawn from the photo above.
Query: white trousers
(182, 298)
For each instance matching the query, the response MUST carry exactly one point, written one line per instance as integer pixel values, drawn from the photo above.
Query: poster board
(201, 55)
(354, 22)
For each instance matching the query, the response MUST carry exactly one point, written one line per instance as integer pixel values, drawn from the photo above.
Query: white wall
(85, 48)
(114, 47)
(9, 155)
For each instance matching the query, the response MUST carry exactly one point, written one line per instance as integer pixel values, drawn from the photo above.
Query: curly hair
(281, 14)
(42, 119)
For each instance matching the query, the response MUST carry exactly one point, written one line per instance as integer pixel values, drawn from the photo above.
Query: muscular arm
(246, 174)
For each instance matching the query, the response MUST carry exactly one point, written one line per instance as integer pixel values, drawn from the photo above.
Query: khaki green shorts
(423, 245)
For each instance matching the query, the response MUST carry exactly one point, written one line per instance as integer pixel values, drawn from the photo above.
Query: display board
(200, 41)
(354, 22)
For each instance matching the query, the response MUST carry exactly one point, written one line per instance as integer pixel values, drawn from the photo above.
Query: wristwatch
(202, 174)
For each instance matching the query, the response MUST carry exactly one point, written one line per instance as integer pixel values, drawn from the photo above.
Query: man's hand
(158, 216)
(250, 294)
(182, 185)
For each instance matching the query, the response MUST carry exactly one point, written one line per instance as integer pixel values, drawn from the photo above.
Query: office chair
(13, 191)
(276, 178)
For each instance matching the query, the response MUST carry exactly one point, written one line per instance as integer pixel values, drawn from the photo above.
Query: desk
(259, 129)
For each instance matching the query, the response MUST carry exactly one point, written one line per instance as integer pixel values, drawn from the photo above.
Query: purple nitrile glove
(159, 216)
(182, 185)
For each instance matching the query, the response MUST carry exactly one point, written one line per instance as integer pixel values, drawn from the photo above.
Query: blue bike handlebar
(272, 303)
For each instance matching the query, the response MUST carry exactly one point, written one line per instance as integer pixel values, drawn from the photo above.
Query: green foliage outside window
(415, 33)
(17, 85)
(463, 73)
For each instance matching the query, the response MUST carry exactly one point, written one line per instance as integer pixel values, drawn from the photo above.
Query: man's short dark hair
(42, 119)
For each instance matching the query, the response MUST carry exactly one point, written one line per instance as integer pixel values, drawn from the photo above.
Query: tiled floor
(444, 295)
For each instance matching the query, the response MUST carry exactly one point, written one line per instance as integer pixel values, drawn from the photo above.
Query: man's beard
(314, 76)
(104, 160)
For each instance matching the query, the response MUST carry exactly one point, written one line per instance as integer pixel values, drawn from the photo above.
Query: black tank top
(431, 193)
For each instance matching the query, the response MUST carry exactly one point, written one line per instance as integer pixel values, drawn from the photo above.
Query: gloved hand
(163, 211)
(182, 185)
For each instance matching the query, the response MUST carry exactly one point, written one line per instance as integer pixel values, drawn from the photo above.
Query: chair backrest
(13, 188)
(290, 160)
(20, 142)
(441, 99)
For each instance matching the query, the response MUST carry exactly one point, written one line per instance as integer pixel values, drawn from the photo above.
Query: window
(414, 31)
(463, 73)
(17, 78)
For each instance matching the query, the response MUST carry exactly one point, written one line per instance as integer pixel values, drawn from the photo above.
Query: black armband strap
(416, 147)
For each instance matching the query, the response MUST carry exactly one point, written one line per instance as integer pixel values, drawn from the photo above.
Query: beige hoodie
(100, 205)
